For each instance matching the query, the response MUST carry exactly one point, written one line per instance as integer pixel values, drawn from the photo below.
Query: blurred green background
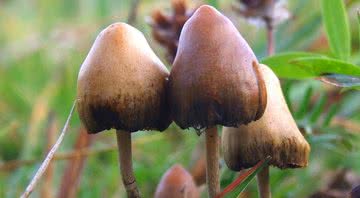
(43, 44)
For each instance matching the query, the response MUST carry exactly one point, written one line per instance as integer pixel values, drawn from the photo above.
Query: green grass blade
(358, 17)
(304, 106)
(331, 113)
(337, 28)
(318, 109)
(235, 188)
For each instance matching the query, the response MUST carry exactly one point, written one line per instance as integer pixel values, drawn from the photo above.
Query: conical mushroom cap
(177, 183)
(275, 134)
(121, 83)
(215, 78)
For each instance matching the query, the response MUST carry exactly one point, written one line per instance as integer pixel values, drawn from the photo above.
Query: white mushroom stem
(212, 161)
(125, 159)
(263, 183)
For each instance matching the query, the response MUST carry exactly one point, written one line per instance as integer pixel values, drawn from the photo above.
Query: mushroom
(214, 81)
(275, 134)
(121, 85)
(177, 183)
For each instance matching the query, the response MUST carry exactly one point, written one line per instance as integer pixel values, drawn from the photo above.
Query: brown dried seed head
(166, 28)
(256, 8)
(275, 134)
(121, 83)
(177, 183)
(215, 78)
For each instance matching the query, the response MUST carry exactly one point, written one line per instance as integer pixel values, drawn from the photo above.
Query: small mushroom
(275, 134)
(214, 81)
(121, 85)
(177, 183)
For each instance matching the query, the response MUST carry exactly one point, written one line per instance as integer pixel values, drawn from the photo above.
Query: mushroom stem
(125, 159)
(212, 161)
(263, 183)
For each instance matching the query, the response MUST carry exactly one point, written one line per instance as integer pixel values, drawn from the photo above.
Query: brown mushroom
(177, 183)
(121, 85)
(214, 81)
(275, 134)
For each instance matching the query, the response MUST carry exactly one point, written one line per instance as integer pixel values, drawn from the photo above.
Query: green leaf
(317, 66)
(235, 188)
(337, 28)
(283, 67)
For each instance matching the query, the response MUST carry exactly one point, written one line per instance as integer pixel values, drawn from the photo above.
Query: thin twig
(349, 125)
(72, 174)
(52, 128)
(270, 39)
(75, 154)
(62, 156)
(49, 157)
(269, 21)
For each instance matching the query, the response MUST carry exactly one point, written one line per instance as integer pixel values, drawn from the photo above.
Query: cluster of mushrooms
(215, 80)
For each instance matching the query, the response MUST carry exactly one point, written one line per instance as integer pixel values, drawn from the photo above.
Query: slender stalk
(49, 157)
(263, 183)
(263, 178)
(212, 161)
(270, 39)
(71, 177)
(133, 12)
(125, 159)
(269, 21)
(13, 164)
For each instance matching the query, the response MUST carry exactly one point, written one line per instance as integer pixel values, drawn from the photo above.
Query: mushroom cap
(275, 134)
(122, 83)
(177, 183)
(215, 78)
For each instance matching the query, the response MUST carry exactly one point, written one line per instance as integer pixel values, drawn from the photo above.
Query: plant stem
(49, 156)
(263, 183)
(133, 12)
(269, 21)
(212, 161)
(270, 39)
(125, 159)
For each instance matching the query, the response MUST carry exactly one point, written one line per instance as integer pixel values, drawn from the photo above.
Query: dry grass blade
(11, 165)
(351, 126)
(52, 128)
(71, 176)
(49, 157)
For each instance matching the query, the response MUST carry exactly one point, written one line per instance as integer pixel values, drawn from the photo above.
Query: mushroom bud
(121, 85)
(214, 81)
(275, 134)
(177, 183)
